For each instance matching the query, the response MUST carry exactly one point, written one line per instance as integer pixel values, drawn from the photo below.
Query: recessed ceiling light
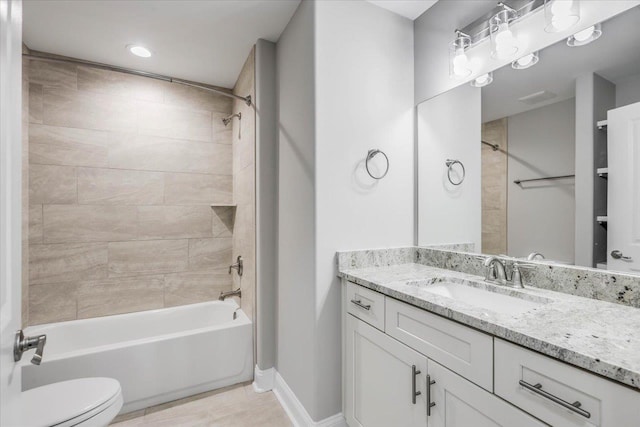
(138, 50)
(526, 61)
(585, 36)
(482, 80)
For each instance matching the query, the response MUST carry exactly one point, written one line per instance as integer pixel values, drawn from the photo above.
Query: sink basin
(485, 299)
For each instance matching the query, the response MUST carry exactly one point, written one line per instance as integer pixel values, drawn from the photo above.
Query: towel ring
(370, 155)
(450, 163)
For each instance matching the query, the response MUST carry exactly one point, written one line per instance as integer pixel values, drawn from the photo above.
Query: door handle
(430, 404)
(616, 254)
(359, 303)
(414, 373)
(575, 406)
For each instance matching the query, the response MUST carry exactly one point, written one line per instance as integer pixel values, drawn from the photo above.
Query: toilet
(86, 402)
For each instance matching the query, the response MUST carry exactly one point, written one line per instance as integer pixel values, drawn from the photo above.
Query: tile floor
(235, 406)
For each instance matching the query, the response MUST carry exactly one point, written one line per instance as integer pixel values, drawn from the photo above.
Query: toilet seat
(82, 402)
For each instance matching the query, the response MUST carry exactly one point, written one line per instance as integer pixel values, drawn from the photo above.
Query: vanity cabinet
(405, 367)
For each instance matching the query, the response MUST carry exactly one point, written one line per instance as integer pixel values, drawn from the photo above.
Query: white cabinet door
(623, 183)
(458, 403)
(380, 380)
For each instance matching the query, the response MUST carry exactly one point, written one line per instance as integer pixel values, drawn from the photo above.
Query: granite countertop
(598, 336)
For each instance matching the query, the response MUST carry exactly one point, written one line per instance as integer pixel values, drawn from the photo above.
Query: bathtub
(158, 356)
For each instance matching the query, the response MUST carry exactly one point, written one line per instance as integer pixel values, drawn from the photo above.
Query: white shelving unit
(602, 124)
(602, 219)
(603, 172)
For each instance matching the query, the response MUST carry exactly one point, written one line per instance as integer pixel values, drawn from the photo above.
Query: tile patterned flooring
(234, 406)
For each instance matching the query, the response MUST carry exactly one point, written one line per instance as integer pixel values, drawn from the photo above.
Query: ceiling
(614, 55)
(408, 8)
(202, 41)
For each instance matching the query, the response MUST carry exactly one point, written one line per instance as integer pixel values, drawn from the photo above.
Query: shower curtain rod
(42, 56)
(495, 147)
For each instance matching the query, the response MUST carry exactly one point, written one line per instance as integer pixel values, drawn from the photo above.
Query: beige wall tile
(210, 253)
(67, 262)
(53, 145)
(120, 84)
(173, 122)
(174, 222)
(222, 221)
(122, 295)
(192, 287)
(83, 223)
(199, 99)
(197, 189)
(89, 110)
(53, 74)
(119, 187)
(221, 133)
(147, 257)
(143, 152)
(52, 184)
(35, 224)
(52, 303)
(35, 103)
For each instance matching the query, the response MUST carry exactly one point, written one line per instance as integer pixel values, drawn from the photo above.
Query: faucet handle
(37, 357)
(22, 344)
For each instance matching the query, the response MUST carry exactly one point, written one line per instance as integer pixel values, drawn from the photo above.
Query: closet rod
(520, 181)
(43, 56)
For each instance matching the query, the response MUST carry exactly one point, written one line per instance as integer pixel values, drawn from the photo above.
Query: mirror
(551, 156)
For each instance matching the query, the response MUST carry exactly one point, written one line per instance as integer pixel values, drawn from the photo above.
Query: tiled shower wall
(494, 188)
(244, 185)
(122, 173)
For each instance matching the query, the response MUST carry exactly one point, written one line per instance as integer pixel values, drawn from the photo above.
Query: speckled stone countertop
(598, 336)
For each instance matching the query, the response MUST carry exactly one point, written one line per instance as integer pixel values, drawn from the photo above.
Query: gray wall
(628, 90)
(296, 357)
(541, 214)
(266, 203)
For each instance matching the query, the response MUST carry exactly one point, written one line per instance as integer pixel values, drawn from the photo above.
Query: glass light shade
(482, 80)
(585, 36)
(504, 43)
(459, 65)
(526, 61)
(560, 15)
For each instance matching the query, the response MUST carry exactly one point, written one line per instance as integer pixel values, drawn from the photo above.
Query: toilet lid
(57, 403)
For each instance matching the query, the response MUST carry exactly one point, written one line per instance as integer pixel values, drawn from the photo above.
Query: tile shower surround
(601, 285)
(122, 171)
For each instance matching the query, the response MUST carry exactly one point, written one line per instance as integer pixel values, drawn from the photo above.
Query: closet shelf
(602, 219)
(602, 124)
(601, 265)
(603, 172)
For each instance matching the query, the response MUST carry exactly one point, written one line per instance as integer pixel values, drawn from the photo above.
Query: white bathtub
(157, 356)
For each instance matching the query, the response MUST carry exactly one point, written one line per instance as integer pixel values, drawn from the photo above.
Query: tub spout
(224, 295)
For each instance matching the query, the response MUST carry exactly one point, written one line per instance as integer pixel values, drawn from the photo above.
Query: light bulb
(562, 22)
(506, 43)
(561, 7)
(461, 63)
(525, 60)
(140, 51)
(584, 34)
(482, 80)
(561, 14)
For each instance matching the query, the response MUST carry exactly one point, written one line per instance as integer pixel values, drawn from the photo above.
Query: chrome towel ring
(450, 164)
(370, 155)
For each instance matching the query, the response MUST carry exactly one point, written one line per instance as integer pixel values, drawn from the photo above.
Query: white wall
(364, 93)
(297, 340)
(541, 215)
(627, 90)
(449, 127)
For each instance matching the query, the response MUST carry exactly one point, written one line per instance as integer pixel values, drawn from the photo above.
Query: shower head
(228, 120)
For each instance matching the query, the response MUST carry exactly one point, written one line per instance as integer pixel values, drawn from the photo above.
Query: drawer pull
(360, 304)
(430, 404)
(414, 373)
(575, 406)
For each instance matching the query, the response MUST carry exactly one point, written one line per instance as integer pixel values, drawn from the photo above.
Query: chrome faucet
(496, 272)
(534, 255)
(22, 344)
(239, 266)
(224, 295)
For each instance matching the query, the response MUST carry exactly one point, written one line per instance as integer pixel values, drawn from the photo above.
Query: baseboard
(296, 412)
(263, 380)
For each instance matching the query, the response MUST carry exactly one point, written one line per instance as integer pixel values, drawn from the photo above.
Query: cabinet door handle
(575, 406)
(360, 304)
(430, 404)
(414, 373)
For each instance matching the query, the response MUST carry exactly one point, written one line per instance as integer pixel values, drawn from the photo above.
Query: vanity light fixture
(138, 50)
(526, 61)
(483, 80)
(585, 36)
(504, 43)
(459, 65)
(560, 15)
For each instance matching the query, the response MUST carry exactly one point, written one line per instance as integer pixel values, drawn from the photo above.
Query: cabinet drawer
(557, 385)
(463, 350)
(365, 304)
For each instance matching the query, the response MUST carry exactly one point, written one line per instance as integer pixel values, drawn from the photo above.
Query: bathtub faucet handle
(238, 266)
(23, 344)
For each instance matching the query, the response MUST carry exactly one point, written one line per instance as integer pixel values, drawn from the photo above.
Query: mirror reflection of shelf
(223, 205)
(602, 219)
(601, 265)
(602, 124)
(603, 172)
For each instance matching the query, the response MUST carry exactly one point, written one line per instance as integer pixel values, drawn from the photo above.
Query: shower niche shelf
(223, 205)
